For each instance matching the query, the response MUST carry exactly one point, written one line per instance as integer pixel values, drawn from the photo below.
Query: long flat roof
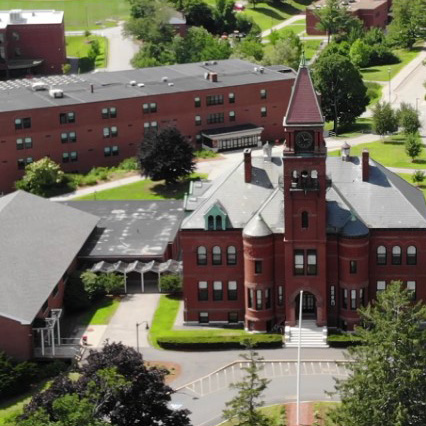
(30, 17)
(18, 95)
(353, 5)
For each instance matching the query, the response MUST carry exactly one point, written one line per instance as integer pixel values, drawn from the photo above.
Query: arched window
(396, 255)
(210, 223)
(411, 255)
(305, 220)
(231, 255)
(216, 255)
(201, 255)
(219, 223)
(381, 255)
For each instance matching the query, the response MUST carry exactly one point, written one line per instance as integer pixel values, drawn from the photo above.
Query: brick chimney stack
(247, 165)
(365, 165)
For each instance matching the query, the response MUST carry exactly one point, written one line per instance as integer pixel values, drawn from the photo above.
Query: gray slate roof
(39, 240)
(353, 207)
(137, 228)
(109, 86)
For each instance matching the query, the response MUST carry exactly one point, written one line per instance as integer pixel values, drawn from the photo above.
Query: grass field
(79, 14)
(100, 312)
(361, 126)
(273, 411)
(145, 190)
(79, 46)
(407, 177)
(381, 72)
(374, 92)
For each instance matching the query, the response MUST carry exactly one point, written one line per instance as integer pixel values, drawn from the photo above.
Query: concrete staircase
(312, 336)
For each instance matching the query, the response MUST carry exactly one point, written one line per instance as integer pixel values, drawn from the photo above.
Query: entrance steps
(312, 336)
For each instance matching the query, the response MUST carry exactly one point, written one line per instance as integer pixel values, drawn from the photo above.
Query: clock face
(304, 140)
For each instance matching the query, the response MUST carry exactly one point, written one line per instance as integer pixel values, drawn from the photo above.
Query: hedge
(219, 342)
(343, 340)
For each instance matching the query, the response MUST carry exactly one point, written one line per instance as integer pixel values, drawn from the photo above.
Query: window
(353, 300)
(381, 285)
(110, 132)
(332, 295)
(259, 302)
(203, 317)
(381, 255)
(361, 297)
(197, 102)
(257, 266)
(312, 262)
(396, 255)
(217, 117)
(198, 120)
(305, 220)
(231, 115)
(250, 292)
(22, 143)
(232, 290)
(299, 262)
(231, 98)
(149, 108)
(411, 287)
(263, 94)
(411, 255)
(231, 255)
(22, 123)
(203, 291)
(201, 255)
(344, 298)
(66, 117)
(68, 137)
(216, 255)
(111, 151)
(214, 100)
(22, 162)
(15, 35)
(69, 156)
(217, 290)
(210, 223)
(263, 111)
(148, 126)
(268, 298)
(280, 298)
(352, 266)
(232, 317)
(110, 112)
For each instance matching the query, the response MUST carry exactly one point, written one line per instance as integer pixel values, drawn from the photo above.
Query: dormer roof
(303, 107)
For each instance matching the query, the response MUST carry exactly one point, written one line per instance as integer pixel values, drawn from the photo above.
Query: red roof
(303, 107)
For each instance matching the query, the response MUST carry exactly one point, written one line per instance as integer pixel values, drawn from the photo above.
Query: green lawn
(374, 92)
(273, 411)
(79, 46)
(361, 126)
(322, 408)
(407, 177)
(145, 190)
(390, 153)
(311, 47)
(381, 73)
(164, 319)
(100, 312)
(79, 14)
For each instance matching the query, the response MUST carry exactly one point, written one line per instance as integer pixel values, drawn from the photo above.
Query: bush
(89, 180)
(205, 153)
(184, 342)
(93, 286)
(418, 177)
(129, 164)
(343, 340)
(171, 283)
(382, 55)
(112, 283)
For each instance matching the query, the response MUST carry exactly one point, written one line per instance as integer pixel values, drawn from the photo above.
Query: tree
(418, 177)
(343, 93)
(224, 14)
(249, 49)
(114, 386)
(166, 154)
(287, 51)
(97, 285)
(360, 53)
(408, 118)
(95, 50)
(200, 14)
(409, 22)
(243, 408)
(171, 283)
(384, 119)
(386, 384)
(42, 177)
(413, 146)
(66, 68)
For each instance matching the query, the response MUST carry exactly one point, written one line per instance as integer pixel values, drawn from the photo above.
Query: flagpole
(298, 361)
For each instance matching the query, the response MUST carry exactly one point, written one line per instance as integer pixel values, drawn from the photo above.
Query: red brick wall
(15, 339)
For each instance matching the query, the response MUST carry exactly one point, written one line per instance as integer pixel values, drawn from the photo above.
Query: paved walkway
(283, 24)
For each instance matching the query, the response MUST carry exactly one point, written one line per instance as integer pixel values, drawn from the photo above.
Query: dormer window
(216, 218)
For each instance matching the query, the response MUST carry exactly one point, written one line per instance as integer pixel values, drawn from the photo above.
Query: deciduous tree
(287, 51)
(408, 118)
(413, 145)
(384, 119)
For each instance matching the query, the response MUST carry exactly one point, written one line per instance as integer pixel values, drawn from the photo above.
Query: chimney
(365, 165)
(247, 165)
(213, 77)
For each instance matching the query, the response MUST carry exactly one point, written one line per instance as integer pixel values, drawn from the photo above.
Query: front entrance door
(309, 306)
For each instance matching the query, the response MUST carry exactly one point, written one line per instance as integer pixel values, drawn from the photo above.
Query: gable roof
(39, 240)
(303, 107)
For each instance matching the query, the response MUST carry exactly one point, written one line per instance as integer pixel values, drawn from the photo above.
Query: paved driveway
(134, 308)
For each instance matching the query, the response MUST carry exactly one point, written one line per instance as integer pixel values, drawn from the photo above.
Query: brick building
(31, 42)
(373, 13)
(339, 229)
(99, 119)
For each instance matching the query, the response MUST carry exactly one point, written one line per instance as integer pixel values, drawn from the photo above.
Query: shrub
(93, 286)
(112, 283)
(129, 164)
(382, 55)
(205, 153)
(413, 146)
(343, 340)
(418, 177)
(89, 180)
(184, 342)
(171, 283)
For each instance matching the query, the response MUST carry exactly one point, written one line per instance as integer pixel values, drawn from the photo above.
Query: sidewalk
(283, 24)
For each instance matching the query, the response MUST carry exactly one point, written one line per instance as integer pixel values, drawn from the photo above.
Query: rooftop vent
(206, 63)
(171, 84)
(56, 93)
(132, 83)
(39, 86)
(15, 15)
(206, 75)
(141, 85)
(256, 69)
(165, 79)
(214, 62)
(261, 69)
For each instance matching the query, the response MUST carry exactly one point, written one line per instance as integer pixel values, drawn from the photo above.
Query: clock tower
(304, 158)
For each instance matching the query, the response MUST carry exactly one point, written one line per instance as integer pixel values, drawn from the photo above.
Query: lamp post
(389, 74)
(137, 332)
(298, 361)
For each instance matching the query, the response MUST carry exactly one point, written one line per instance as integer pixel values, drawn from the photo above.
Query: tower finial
(303, 60)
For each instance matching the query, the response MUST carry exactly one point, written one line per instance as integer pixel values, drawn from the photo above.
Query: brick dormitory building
(99, 119)
(338, 228)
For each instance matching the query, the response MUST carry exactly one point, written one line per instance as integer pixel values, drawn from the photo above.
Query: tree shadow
(175, 191)
(268, 12)
(369, 70)
(419, 161)
(304, 2)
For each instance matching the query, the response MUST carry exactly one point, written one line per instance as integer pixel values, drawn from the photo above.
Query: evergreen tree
(243, 408)
(413, 146)
(384, 119)
(387, 380)
(166, 154)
